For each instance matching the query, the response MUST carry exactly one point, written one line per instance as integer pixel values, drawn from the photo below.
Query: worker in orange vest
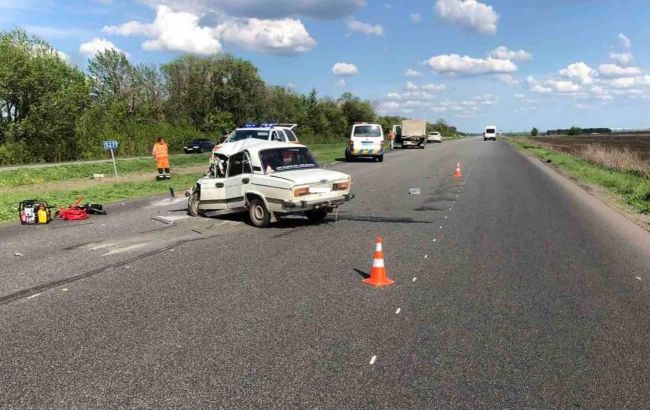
(160, 153)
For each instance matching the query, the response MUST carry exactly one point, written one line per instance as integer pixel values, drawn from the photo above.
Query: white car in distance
(490, 133)
(434, 136)
(267, 180)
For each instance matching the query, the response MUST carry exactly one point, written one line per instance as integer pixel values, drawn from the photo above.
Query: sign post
(112, 145)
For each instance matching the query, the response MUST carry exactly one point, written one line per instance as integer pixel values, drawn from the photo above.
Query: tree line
(53, 111)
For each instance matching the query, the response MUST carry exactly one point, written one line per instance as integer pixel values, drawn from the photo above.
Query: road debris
(18, 254)
(414, 191)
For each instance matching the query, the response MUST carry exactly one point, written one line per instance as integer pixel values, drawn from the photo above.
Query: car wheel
(193, 204)
(258, 213)
(316, 215)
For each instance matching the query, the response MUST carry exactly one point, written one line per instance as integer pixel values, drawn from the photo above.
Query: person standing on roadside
(160, 153)
(391, 138)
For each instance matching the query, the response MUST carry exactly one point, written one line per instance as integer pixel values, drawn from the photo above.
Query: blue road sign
(110, 144)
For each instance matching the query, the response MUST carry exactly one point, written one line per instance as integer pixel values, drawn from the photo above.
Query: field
(638, 143)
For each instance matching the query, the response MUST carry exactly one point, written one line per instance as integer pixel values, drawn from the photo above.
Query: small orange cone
(458, 173)
(378, 275)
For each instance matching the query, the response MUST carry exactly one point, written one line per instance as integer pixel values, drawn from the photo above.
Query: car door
(239, 176)
(213, 194)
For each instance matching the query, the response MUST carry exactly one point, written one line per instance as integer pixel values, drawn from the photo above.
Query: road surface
(513, 288)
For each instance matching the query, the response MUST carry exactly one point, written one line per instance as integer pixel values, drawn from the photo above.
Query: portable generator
(33, 211)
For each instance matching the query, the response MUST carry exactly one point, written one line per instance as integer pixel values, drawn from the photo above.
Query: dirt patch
(637, 143)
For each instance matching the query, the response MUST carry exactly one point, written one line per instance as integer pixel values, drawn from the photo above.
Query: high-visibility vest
(160, 150)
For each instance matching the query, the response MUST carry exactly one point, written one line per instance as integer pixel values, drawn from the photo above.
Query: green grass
(325, 153)
(29, 176)
(632, 188)
(103, 194)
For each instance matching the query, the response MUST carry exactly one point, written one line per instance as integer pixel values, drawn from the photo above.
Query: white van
(366, 140)
(490, 133)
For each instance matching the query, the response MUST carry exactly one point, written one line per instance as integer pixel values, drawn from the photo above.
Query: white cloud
(457, 65)
(95, 46)
(365, 28)
(438, 108)
(537, 87)
(629, 82)
(503, 53)
(181, 31)
(613, 70)
(415, 17)
(388, 107)
(622, 59)
(507, 79)
(344, 69)
(285, 36)
(434, 87)
(624, 41)
(171, 30)
(394, 96)
(549, 86)
(341, 82)
(580, 72)
(409, 86)
(418, 95)
(471, 14)
(412, 73)
(319, 9)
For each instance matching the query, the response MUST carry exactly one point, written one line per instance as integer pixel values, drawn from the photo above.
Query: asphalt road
(514, 288)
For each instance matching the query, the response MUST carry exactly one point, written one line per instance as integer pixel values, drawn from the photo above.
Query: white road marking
(426, 256)
(638, 278)
(172, 218)
(33, 296)
(415, 278)
(434, 239)
(445, 216)
(440, 226)
(372, 361)
(127, 267)
(18, 254)
(171, 250)
(64, 289)
(398, 310)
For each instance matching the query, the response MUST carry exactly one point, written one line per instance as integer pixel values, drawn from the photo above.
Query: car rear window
(367, 131)
(490, 130)
(290, 134)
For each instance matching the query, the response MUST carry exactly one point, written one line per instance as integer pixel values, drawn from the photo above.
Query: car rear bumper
(300, 206)
(366, 152)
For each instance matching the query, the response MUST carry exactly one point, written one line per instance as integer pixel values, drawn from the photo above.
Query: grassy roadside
(106, 192)
(632, 188)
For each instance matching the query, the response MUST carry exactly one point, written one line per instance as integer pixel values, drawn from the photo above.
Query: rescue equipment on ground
(378, 275)
(33, 211)
(78, 212)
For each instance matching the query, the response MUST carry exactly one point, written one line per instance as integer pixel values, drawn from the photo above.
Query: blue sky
(517, 64)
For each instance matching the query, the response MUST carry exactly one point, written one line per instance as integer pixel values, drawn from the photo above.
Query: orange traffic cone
(458, 173)
(378, 275)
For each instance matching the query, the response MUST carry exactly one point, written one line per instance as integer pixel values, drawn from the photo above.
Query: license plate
(366, 143)
(319, 190)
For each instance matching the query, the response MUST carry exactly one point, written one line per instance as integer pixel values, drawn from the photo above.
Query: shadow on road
(361, 273)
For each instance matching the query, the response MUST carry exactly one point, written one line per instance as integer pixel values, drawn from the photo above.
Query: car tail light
(300, 191)
(341, 186)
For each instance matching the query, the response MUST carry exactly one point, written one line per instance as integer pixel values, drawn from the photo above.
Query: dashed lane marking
(64, 289)
(398, 310)
(415, 278)
(639, 278)
(426, 256)
(372, 360)
(33, 296)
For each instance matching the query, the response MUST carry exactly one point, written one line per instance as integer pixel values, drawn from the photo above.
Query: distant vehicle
(434, 136)
(414, 133)
(366, 140)
(268, 179)
(268, 132)
(198, 146)
(490, 133)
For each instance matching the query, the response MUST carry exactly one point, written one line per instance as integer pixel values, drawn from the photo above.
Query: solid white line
(415, 278)
(398, 310)
(33, 296)
(638, 278)
(64, 289)
(426, 256)
(372, 361)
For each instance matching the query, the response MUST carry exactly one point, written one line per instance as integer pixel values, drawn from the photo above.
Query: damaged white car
(267, 180)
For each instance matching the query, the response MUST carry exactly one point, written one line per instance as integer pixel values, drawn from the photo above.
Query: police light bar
(267, 125)
(250, 125)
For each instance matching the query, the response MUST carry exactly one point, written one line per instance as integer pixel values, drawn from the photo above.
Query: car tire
(316, 215)
(193, 204)
(259, 215)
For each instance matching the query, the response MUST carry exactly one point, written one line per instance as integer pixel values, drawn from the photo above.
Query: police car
(265, 132)
(366, 140)
(267, 179)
